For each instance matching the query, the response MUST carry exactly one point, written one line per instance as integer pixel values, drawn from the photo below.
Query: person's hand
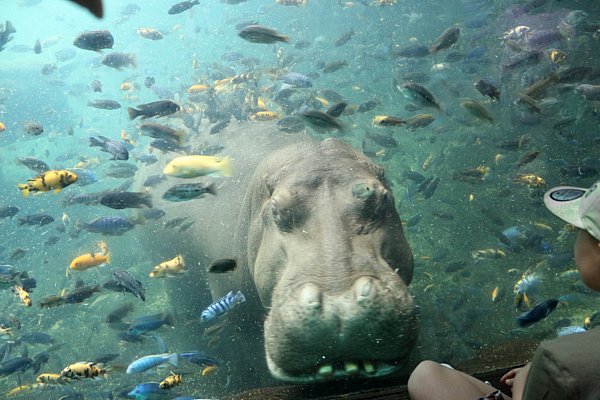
(515, 379)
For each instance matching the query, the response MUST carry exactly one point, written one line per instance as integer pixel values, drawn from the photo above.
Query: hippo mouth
(335, 370)
(367, 330)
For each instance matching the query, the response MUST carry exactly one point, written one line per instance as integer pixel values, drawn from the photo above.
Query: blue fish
(145, 363)
(195, 357)
(111, 225)
(117, 149)
(222, 306)
(537, 313)
(569, 330)
(145, 391)
(298, 80)
(150, 323)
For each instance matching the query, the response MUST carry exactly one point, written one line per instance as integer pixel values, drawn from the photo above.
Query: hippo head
(328, 256)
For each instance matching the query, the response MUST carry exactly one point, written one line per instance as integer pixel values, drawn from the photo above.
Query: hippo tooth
(368, 367)
(350, 367)
(363, 287)
(310, 295)
(325, 371)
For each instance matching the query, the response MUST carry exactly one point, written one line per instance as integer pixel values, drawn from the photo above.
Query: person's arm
(515, 379)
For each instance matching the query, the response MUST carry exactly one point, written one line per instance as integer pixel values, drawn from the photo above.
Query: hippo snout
(314, 333)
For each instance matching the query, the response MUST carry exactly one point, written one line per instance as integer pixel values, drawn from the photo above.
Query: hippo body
(322, 259)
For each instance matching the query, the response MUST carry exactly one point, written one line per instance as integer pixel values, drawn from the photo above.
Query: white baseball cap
(577, 206)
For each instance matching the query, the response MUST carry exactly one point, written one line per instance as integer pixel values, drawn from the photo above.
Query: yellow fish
(20, 389)
(171, 381)
(23, 295)
(125, 86)
(51, 379)
(261, 104)
(2, 127)
(83, 369)
(51, 180)
(265, 116)
(194, 89)
(168, 268)
(496, 294)
(89, 260)
(195, 165)
(386, 120)
(323, 101)
(209, 370)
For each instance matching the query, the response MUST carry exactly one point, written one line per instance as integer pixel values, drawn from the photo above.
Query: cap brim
(564, 202)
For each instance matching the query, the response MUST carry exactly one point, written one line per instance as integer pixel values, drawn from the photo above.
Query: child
(566, 368)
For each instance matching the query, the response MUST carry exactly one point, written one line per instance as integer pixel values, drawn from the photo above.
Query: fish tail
(212, 189)
(433, 50)
(24, 188)
(195, 2)
(285, 39)
(173, 359)
(133, 60)
(226, 166)
(68, 273)
(95, 142)
(147, 200)
(169, 319)
(107, 258)
(133, 113)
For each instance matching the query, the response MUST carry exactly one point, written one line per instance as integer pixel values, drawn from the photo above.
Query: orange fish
(209, 370)
(23, 295)
(2, 127)
(89, 260)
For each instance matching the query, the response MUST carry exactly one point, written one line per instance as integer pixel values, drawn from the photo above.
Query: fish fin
(285, 39)
(173, 359)
(169, 319)
(67, 274)
(133, 113)
(94, 6)
(226, 166)
(133, 60)
(108, 258)
(24, 188)
(212, 189)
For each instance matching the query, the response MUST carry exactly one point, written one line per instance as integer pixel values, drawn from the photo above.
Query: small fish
(23, 296)
(94, 40)
(419, 121)
(158, 108)
(80, 294)
(117, 314)
(222, 266)
(52, 379)
(117, 149)
(9, 211)
(590, 92)
(83, 369)
(169, 268)
(105, 104)
(477, 110)
(321, 121)
(51, 180)
(386, 120)
(109, 225)
(171, 381)
(195, 166)
(150, 33)
(264, 116)
(334, 66)
(488, 254)
(487, 88)
(262, 34)
(188, 191)
(527, 158)
(89, 260)
(539, 312)
(531, 180)
(419, 94)
(384, 140)
(120, 199)
(448, 38)
(222, 306)
(37, 48)
(33, 128)
(297, 80)
(181, 7)
(344, 38)
(118, 60)
(412, 51)
(159, 131)
(497, 294)
(146, 390)
(149, 323)
(145, 363)
(96, 86)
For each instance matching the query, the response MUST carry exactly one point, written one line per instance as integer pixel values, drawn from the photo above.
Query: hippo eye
(374, 205)
(286, 214)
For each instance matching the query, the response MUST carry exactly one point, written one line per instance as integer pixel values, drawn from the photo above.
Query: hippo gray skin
(322, 258)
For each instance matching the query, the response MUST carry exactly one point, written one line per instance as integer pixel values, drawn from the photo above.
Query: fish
(411, 51)
(51, 301)
(8, 211)
(89, 260)
(117, 314)
(419, 94)
(488, 254)
(121, 170)
(147, 159)
(537, 313)
(222, 266)
(105, 104)
(181, 7)
(382, 139)
(524, 58)
(170, 381)
(222, 306)
(149, 323)
(531, 180)
(118, 60)
(96, 86)
(298, 80)
(291, 124)
(2, 127)
(188, 191)
(386, 120)
(94, 40)
(262, 34)
(146, 391)
(334, 66)
(55, 180)
(344, 38)
(109, 225)
(121, 199)
(6, 31)
(33, 128)
(497, 294)
(527, 158)
(569, 330)
(321, 121)
(23, 296)
(83, 369)
(116, 148)
(447, 39)
(150, 33)
(487, 88)
(159, 131)
(477, 110)
(158, 108)
(419, 121)
(219, 126)
(145, 363)
(34, 164)
(123, 281)
(337, 109)
(168, 268)
(37, 48)
(51, 379)
(18, 364)
(195, 166)
(589, 92)
(264, 116)
(152, 213)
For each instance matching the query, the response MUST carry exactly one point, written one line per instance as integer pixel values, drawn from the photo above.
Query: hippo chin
(328, 257)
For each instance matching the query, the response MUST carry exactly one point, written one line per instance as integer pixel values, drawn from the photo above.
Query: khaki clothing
(566, 368)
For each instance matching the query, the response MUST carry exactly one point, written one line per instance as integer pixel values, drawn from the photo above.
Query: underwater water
(473, 107)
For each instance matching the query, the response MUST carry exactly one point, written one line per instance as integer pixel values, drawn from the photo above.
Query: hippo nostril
(363, 288)
(310, 294)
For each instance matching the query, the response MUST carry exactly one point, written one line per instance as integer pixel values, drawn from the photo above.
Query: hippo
(322, 258)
